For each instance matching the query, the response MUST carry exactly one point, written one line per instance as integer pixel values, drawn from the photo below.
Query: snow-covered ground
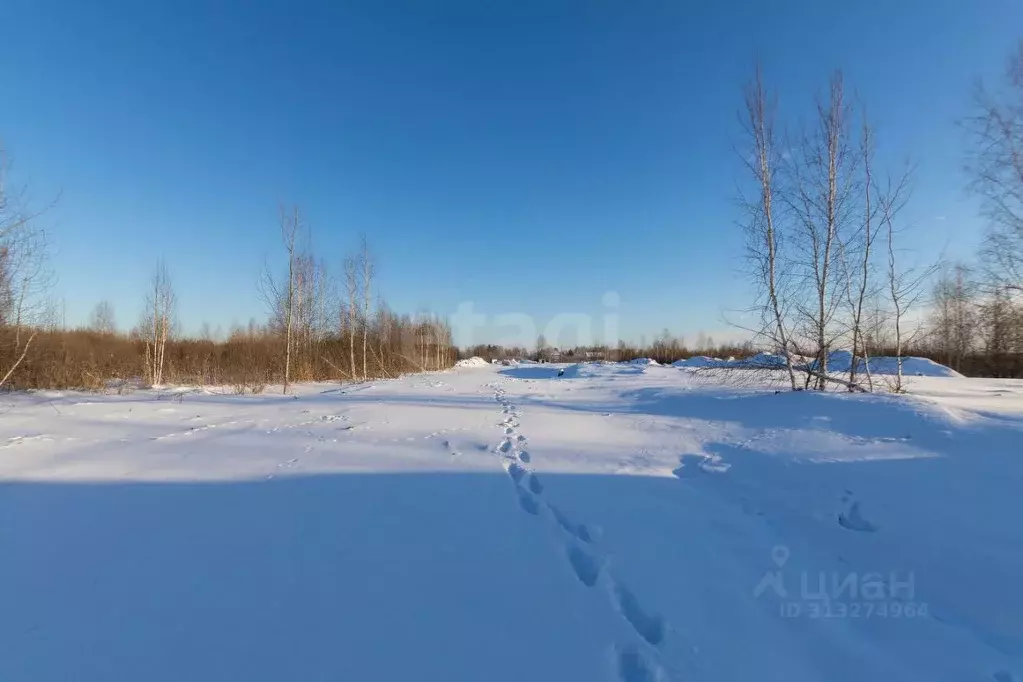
(625, 523)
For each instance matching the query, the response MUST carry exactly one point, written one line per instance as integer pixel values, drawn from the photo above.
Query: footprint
(509, 431)
(576, 530)
(516, 472)
(632, 667)
(520, 438)
(693, 465)
(534, 485)
(524, 457)
(528, 502)
(854, 521)
(505, 446)
(585, 566)
(648, 626)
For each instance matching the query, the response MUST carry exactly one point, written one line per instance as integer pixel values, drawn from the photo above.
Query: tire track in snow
(632, 663)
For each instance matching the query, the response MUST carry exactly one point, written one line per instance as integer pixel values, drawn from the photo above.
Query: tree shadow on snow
(397, 576)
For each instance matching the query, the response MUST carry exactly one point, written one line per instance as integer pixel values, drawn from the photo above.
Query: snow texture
(624, 522)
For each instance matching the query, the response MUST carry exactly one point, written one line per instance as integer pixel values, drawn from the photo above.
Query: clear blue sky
(527, 156)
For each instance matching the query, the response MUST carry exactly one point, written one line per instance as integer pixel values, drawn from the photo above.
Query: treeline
(976, 323)
(665, 350)
(319, 327)
(247, 361)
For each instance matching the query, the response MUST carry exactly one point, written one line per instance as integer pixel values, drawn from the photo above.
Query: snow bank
(759, 361)
(911, 366)
(643, 361)
(840, 361)
(699, 361)
(474, 361)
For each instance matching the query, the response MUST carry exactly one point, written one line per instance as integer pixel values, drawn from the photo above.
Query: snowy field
(625, 523)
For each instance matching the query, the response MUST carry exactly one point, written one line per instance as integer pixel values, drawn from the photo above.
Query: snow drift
(698, 361)
(841, 361)
(643, 361)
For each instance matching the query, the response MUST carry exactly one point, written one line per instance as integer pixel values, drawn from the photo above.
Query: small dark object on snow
(561, 372)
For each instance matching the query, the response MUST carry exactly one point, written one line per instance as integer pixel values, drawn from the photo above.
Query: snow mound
(643, 361)
(911, 366)
(474, 361)
(840, 361)
(759, 361)
(699, 361)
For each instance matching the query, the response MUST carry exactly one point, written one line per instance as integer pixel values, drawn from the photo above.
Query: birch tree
(25, 277)
(366, 270)
(858, 273)
(102, 318)
(158, 321)
(954, 315)
(762, 239)
(995, 164)
(351, 287)
(281, 295)
(904, 285)
(819, 198)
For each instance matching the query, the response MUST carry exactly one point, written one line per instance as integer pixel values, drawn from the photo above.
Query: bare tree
(954, 316)
(904, 285)
(25, 277)
(158, 321)
(820, 198)
(762, 237)
(102, 318)
(351, 285)
(874, 326)
(541, 348)
(366, 269)
(280, 297)
(998, 323)
(859, 281)
(996, 167)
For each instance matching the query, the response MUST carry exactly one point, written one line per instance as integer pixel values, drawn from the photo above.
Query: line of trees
(667, 348)
(318, 327)
(976, 320)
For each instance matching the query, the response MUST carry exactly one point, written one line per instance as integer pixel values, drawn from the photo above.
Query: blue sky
(527, 156)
